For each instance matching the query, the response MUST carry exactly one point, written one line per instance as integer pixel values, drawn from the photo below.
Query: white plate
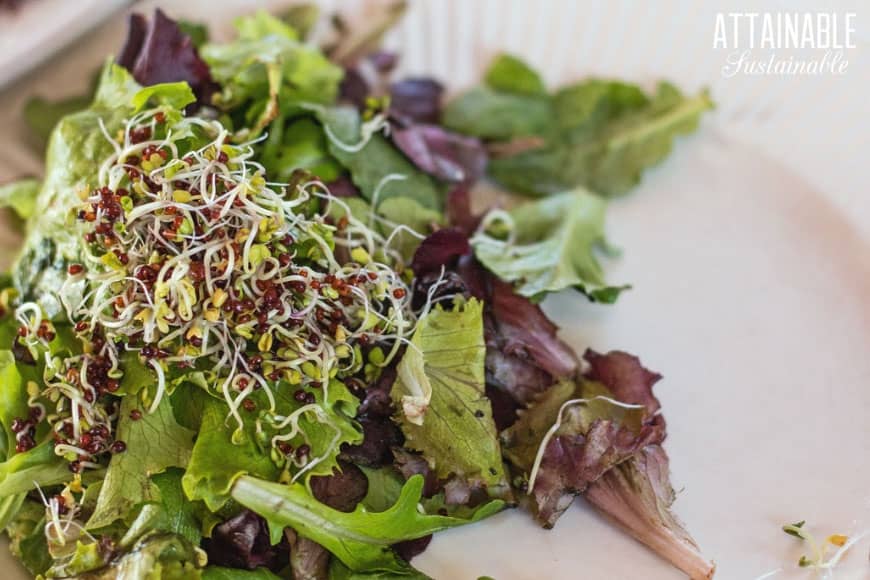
(749, 255)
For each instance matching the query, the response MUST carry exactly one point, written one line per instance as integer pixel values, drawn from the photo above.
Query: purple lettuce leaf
(410, 549)
(354, 88)
(343, 187)
(625, 376)
(159, 52)
(438, 250)
(308, 559)
(448, 156)
(342, 490)
(243, 542)
(380, 435)
(637, 495)
(592, 434)
(458, 208)
(416, 100)
(525, 331)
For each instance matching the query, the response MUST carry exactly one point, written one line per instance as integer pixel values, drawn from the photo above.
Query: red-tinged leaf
(416, 100)
(342, 490)
(439, 250)
(638, 496)
(441, 153)
(159, 52)
(623, 374)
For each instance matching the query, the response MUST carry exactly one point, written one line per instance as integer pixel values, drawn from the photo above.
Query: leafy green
(299, 144)
(27, 537)
(13, 398)
(155, 443)
(9, 508)
(267, 70)
(385, 486)
(489, 114)
(360, 539)
(408, 212)
(445, 413)
(596, 133)
(176, 95)
(510, 74)
(156, 557)
(395, 213)
(38, 466)
(197, 31)
(221, 456)
(219, 573)
(137, 376)
(378, 169)
(608, 134)
(551, 246)
(77, 148)
(338, 571)
(178, 515)
(217, 462)
(20, 196)
(523, 439)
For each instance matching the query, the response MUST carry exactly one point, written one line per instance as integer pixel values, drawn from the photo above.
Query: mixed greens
(256, 330)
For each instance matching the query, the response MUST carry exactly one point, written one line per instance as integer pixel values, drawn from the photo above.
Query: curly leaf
(440, 386)
(154, 443)
(551, 247)
(360, 539)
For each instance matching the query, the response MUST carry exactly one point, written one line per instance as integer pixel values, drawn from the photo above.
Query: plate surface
(749, 252)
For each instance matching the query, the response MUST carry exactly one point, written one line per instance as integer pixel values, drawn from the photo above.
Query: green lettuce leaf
(158, 556)
(221, 455)
(175, 95)
(443, 410)
(13, 399)
(77, 148)
(550, 247)
(267, 70)
(299, 144)
(597, 134)
(9, 508)
(489, 114)
(27, 537)
(197, 31)
(523, 439)
(395, 213)
(338, 571)
(155, 443)
(608, 134)
(20, 196)
(38, 466)
(178, 515)
(216, 461)
(360, 539)
(219, 573)
(510, 74)
(377, 168)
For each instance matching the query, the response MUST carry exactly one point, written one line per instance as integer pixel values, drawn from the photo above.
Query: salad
(256, 329)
